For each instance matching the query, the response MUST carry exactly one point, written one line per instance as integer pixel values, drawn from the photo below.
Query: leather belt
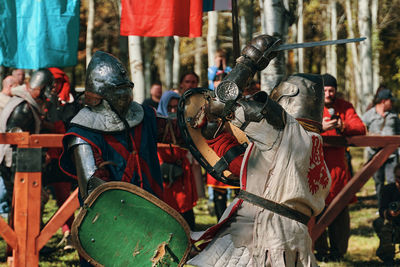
(274, 207)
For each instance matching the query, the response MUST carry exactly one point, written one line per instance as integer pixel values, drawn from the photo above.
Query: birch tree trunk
(364, 24)
(212, 36)
(198, 63)
(300, 36)
(375, 45)
(176, 63)
(326, 14)
(333, 56)
(243, 31)
(136, 67)
(89, 31)
(354, 56)
(276, 25)
(169, 56)
(148, 44)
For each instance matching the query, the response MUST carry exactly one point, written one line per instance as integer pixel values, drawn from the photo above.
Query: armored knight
(283, 178)
(113, 138)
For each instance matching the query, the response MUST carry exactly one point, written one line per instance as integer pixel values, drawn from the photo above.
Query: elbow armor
(83, 158)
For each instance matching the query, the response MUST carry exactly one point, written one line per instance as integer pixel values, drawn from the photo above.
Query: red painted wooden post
(8, 234)
(26, 239)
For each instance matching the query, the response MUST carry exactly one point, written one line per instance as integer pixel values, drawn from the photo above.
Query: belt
(274, 207)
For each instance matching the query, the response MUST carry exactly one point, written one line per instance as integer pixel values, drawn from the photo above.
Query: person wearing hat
(381, 120)
(339, 119)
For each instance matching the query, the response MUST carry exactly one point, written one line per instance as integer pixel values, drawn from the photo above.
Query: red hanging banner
(156, 18)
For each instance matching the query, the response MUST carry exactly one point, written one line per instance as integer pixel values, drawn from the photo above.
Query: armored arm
(83, 158)
(228, 95)
(255, 57)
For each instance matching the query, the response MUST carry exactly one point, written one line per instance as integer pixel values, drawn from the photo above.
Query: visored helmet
(42, 78)
(302, 96)
(106, 78)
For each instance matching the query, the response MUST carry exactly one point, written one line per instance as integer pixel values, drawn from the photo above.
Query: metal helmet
(302, 96)
(106, 77)
(42, 78)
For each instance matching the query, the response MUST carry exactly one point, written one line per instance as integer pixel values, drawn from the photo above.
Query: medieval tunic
(180, 194)
(286, 166)
(104, 132)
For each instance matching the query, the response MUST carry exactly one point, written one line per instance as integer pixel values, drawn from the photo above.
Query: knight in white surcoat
(283, 179)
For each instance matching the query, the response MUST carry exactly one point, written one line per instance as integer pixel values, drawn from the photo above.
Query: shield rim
(190, 143)
(137, 191)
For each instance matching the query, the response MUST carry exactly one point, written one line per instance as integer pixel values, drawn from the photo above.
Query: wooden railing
(25, 237)
(388, 145)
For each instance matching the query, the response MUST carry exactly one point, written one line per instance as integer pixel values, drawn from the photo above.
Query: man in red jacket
(339, 119)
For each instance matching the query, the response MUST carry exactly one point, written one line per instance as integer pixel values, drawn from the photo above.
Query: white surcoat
(287, 167)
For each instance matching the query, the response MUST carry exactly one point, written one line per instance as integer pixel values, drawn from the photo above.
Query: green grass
(362, 245)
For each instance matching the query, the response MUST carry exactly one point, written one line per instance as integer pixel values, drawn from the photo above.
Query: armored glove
(255, 57)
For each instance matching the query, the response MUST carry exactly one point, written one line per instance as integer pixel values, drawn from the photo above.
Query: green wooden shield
(121, 224)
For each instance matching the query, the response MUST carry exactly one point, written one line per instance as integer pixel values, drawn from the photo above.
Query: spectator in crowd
(188, 80)
(179, 185)
(339, 119)
(219, 65)
(19, 76)
(381, 120)
(155, 95)
(5, 94)
(387, 226)
(22, 113)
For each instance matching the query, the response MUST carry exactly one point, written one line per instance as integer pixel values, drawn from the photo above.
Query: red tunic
(181, 194)
(221, 144)
(335, 156)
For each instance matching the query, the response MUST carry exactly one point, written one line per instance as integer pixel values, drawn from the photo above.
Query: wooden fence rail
(388, 145)
(26, 239)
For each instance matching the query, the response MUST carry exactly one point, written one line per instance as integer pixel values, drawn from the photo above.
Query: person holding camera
(219, 65)
(387, 226)
(339, 119)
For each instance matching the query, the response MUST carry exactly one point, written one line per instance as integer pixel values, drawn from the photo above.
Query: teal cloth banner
(39, 33)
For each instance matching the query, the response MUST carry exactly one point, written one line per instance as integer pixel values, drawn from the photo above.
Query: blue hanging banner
(39, 33)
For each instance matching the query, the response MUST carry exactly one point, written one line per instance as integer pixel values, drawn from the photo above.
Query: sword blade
(320, 43)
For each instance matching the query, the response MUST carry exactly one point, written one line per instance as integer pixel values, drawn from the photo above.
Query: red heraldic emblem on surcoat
(317, 173)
